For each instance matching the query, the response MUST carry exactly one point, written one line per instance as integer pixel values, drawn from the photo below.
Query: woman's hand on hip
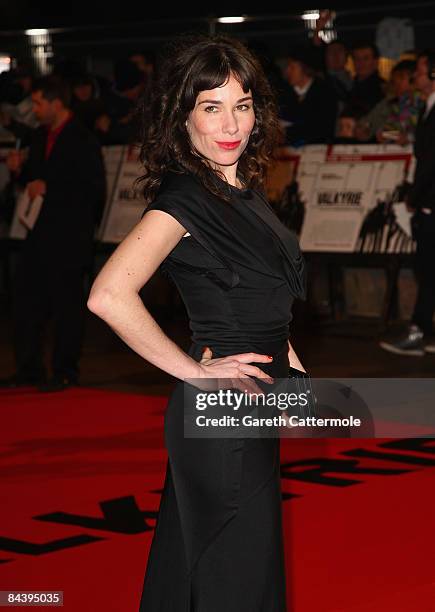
(234, 368)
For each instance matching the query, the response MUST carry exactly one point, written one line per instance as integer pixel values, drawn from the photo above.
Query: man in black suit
(310, 103)
(368, 86)
(417, 339)
(66, 167)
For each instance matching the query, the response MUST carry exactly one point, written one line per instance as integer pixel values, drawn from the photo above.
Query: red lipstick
(229, 145)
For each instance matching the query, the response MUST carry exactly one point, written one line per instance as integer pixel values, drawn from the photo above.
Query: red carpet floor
(81, 474)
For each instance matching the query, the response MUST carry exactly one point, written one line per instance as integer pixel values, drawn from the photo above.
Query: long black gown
(218, 544)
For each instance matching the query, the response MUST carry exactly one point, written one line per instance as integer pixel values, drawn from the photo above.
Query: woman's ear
(187, 125)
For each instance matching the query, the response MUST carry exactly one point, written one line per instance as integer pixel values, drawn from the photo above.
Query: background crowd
(327, 93)
(106, 107)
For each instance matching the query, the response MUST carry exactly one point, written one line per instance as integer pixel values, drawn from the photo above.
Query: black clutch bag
(294, 373)
(301, 384)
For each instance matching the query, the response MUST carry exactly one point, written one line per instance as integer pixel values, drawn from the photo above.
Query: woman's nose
(229, 123)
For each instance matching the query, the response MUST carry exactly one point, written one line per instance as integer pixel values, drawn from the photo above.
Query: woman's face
(220, 124)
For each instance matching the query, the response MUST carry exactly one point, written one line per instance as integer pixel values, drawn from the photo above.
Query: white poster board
(17, 230)
(127, 205)
(340, 185)
(112, 156)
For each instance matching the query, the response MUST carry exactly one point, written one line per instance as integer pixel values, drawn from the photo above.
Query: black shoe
(408, 343)
(16, 380)
(57, 384)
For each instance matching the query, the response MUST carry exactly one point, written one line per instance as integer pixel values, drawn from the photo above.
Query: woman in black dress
(211, 129)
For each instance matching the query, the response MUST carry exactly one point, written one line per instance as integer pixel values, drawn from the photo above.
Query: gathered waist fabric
(226, 341)
(254, 316)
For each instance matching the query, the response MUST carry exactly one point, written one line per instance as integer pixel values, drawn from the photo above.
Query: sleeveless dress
(218, 544)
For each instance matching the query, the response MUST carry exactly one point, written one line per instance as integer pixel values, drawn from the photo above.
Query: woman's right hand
(234, 368)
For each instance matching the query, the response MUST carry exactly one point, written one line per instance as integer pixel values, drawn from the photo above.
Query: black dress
(218, 544)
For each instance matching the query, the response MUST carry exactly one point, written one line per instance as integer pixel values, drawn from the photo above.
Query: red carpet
(81, 473)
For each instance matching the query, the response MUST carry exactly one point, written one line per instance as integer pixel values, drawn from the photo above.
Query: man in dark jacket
(309, 104)
(368, 87)
(65, 166)
(418, 339)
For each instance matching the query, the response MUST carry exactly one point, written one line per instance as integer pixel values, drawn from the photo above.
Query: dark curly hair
(199, 63)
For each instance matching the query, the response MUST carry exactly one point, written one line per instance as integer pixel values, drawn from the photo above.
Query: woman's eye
(215, 109)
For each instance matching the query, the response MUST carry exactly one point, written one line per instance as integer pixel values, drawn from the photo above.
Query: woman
(211, 130)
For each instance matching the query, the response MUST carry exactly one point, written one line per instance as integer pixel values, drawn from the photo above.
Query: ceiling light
(231, 19)
(311, 15)
(37, 32)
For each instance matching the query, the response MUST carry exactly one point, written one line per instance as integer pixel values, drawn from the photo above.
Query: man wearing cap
(118, 124)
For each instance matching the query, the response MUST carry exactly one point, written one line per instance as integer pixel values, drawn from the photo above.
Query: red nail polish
(270, 356)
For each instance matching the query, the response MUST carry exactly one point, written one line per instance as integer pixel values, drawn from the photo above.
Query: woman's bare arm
(115, 298)
(293, 359)
(114, 295)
